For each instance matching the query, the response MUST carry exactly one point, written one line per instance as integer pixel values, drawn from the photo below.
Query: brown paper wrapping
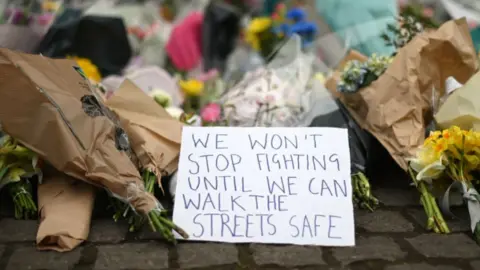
(462, 107)
(154, 135)
(40, 105)
(65, 211)
(397, 106)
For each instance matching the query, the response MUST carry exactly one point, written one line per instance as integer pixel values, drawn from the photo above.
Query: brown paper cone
(154, 135)
(48, 105)
(65, 210)
(397, 107)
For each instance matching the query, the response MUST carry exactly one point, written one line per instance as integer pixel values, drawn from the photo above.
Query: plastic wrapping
(220, 29)
(280, 94)
(359, 140)
(101, 39)
(22, 25)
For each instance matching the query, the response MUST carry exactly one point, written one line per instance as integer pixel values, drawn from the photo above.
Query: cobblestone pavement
(391, 238)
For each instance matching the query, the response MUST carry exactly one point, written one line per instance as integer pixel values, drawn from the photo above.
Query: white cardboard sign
(265, 185)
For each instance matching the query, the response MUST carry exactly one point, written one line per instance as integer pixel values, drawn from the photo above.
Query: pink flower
(472, 24)
(211, 74)
(185, 42)
(109, 94)
(428, 12)
(45, 19)
(270, 98)
(211, 113)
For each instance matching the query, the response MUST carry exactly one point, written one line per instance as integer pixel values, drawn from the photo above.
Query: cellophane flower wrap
(23, 23)
(279, 94)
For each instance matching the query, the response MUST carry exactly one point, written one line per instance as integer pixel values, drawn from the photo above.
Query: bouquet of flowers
(17, 165)
(408, 27)
(453, 154)
(277, 95)
(421, 14)
(356, 74)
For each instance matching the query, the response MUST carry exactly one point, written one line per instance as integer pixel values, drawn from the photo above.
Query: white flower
(427, 171)
(175, 112)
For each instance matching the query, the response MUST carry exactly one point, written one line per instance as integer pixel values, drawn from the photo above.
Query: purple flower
(17, 16)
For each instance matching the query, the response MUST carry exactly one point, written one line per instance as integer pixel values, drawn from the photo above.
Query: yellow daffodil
(50, 6)
(259, 25)
(254, 29)
(192, 87)
(427, 171)
(88, 68)
(429, 163)
(454, 150)
(253, 40)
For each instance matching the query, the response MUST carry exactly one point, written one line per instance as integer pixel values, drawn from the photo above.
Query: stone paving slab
(391, 238)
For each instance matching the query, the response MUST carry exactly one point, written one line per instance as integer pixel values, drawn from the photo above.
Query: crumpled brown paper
(397, 106)
(155, 136)
(65, 210)
(48, 106)
(462, 107)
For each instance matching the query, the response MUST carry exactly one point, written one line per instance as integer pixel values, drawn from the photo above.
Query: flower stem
(435, 220)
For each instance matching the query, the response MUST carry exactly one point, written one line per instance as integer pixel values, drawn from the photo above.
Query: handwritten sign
(267, 185)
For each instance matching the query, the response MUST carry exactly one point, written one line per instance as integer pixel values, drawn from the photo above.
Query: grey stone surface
(141, 256)
(396, 197)
(475, 264)
(146, 233)
(384, 240)
(375, 247)
(287, 256)
(382, 221)
(192, 255)
(30, 258)
(108, 231)
(421, 266)
(445, 246)
(12, 230)
(455, 225)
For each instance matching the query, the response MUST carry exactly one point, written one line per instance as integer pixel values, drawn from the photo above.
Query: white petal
(431, 171)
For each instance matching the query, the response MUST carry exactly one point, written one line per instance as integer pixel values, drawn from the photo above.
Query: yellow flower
(253, 40)
(88, 68)
(254, 29)
(259, 25)
(472, 161)
(433, 136)
(191, 87)
(50, 6)
(428, 164)
(427, 171)
(320, 77)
